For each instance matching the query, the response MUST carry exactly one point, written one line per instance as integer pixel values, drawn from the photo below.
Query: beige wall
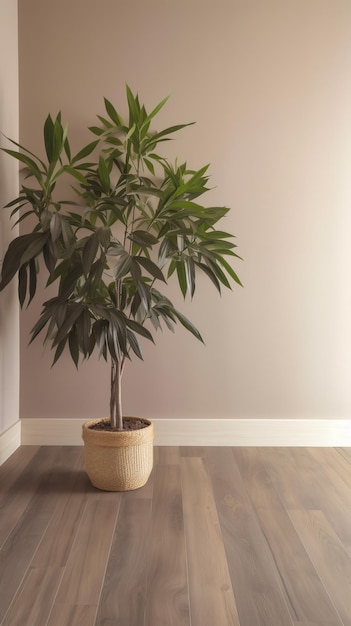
(9, 315)
(268, 83)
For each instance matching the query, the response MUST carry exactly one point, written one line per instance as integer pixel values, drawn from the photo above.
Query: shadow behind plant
(135, 222)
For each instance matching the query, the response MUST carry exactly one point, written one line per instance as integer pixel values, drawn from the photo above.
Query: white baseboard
(208, 432)
(10, 440)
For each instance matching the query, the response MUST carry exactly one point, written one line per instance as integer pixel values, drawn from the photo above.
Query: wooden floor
(218, 537)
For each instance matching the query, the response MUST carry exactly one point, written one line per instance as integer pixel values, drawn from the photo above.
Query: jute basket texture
(118, 461)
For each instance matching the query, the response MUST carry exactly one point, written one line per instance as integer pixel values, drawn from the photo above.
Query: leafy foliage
(135, 221)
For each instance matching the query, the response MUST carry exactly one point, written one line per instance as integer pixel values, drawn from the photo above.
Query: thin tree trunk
(116, 415)
(112, 394)
(118, 397)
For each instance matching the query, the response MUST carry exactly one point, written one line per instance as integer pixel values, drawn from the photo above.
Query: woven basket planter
(118, 461)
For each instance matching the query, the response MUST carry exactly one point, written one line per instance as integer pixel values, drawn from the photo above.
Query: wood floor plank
(15, 466)
(210, 587)
(260, 595)
(192, 451)
(258, 483)
(316, 623)
(34, 601)
(346, 452)
(72, 615)
(335, 460)
(306, 594)
(60, 534)
(166, 455)
(294, 490)
(167, 585)
(18, 550)
(318, 464)
(329, 557)
(330, 493)
(123, 597)
(16, 499)
(85, 569)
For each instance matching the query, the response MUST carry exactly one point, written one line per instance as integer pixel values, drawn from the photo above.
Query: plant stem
(118, 397)
(112, 395)
(116, 415)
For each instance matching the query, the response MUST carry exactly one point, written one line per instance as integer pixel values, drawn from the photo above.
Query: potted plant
(132, 222)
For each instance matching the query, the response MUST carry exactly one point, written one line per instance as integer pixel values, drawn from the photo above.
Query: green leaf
(83, 331)
(139, 328)
(134, 344)
(74, 346)
(150, 166)
(123, 266)
(84, 152)
(32, 166)
(154, 112)
(145, 296)
(130, 132)
(25, 150)
(112, 113)
(60, 137)
(104, 174)
(162, 135)
(217, 234)
(67, 232)
(171, 268)
(32, 279)
(212, 276)
(89, 252)
(59, 350)
(55, 226)
(22, 284)
(143, 238)
(220, 246)
(230, 270)
(116, 249)
(165, 315)
(135, 270)
(105, 122)
(72, 313)
(23, 216)
(35, 247)
(99, 332)
(188, 325)
(218, 271)
(166, 250)
(45, 315)
(181, 277)
(190, 275)
(113, 342)
(22, 200)
(12, 260)
(150, 267)
(67, 149)
(96, 130)
(135, 304)
(48, 137)
(49, 254)
(104, 237)
(70, 275)
(133, 105)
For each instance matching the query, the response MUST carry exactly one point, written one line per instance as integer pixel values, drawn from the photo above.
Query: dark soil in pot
(129, 424)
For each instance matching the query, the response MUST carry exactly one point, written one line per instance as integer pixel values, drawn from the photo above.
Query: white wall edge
(10, 440)
(208, 432)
